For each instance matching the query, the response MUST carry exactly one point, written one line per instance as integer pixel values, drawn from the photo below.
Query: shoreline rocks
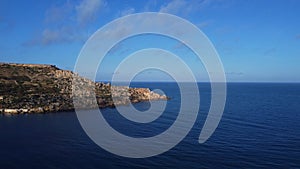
(35, 88)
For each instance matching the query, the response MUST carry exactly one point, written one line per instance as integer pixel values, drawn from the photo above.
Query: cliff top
(28, 65)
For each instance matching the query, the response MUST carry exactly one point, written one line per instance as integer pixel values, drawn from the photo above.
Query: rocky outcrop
(35, 88)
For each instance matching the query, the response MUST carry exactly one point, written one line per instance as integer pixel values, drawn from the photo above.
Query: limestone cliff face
(35, 88)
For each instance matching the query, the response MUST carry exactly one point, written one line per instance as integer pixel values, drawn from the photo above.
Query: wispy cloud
(52, 36)
(127, 11)
(59, 13)
(234, 73)
(183, 7)
(62, 35)
(66, 23)
(66, 34)
(203, 24)
(173, 7)
(270, 52)
(87, 10)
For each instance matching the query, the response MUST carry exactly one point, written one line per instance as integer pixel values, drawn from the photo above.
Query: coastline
(35, 88)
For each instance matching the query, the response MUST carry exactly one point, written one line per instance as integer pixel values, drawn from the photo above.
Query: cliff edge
(38, 88)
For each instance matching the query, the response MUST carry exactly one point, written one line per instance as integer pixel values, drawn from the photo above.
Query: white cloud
(59, 13)
(203, 24)
(49, 36)
(183, 6)
(87, 10)
(174, 6)
(127, 11)
(65, 23)
(63, 34)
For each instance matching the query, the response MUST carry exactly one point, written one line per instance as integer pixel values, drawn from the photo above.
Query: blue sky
(257, 40)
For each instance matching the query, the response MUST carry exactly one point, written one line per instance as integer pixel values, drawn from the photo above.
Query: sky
(257, 40)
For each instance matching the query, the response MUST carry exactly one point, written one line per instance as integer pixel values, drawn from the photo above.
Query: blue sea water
(260, 128)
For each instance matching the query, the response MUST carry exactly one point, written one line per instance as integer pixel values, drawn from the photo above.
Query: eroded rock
(35, 88)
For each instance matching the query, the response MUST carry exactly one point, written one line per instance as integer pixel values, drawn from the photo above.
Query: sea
(260, 128)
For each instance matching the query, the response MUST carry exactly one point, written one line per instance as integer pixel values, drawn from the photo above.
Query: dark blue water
(260, 128)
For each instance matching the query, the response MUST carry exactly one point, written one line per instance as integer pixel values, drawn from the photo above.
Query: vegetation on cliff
(35, 88)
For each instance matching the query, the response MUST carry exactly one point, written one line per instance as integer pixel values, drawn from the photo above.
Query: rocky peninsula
(38, 88)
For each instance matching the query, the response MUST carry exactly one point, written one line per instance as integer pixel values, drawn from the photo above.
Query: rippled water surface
(260, 128)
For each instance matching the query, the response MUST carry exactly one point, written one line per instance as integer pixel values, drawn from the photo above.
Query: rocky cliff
(35, 88)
